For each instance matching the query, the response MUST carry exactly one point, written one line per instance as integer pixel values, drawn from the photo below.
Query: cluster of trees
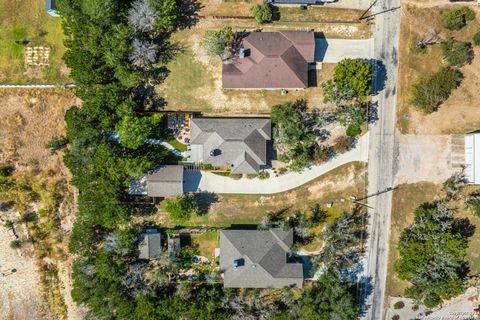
(432, 254)
(218, 43)
(457, 53)
(263, 13)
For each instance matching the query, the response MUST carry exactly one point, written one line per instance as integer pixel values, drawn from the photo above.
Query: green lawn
(207, 242)
(27, 20)
(178, 145)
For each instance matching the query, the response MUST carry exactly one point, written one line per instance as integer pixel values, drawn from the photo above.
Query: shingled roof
(165, 181)
(150, 245)
(240, 143)
(260, 258)
(273, 60)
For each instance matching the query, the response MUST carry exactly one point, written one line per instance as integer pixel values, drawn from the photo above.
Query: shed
(174, 245)
(472, 158)
(150, 246)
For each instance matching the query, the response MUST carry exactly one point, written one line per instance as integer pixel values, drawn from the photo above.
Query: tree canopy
(355, 76)
(263, 13)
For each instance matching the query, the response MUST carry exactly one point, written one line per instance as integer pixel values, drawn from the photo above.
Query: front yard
(27, 24)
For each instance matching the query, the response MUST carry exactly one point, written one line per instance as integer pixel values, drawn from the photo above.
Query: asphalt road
(381, 162)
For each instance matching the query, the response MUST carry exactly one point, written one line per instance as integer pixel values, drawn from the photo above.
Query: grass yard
(406, 198)
(206, 242)
(194, 84)
(320, 14)
(230, 210)
(459, 113)
(178, 145)
(27, 20)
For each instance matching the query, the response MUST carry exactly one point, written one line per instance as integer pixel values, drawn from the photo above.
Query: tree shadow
(379, 76)
(189, 13)
(204, 200)
(364, 290)
(372, 114)
(275, 13)
(6, 206)
(463, 227)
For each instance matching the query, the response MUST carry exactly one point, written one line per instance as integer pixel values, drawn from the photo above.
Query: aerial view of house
(259, 259)
(237, 143)
(165, 181)
(271, 60)
(149, 246)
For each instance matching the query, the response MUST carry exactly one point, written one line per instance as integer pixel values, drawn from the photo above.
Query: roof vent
(254, 266)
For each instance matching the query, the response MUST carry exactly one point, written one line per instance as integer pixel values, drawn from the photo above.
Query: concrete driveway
(334, 50)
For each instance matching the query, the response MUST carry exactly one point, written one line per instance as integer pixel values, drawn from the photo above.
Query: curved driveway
(209, 182)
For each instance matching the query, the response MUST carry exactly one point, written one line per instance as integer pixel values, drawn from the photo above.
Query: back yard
(27, 24)
(459, 113)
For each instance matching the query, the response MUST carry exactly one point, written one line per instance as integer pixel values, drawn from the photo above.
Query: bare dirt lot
(458, 114)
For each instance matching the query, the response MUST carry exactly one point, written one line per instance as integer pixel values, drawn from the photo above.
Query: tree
(181, 208)
(144, 53)
(15, 244)
(431, 91)
(332, 298)
(56, 143)
(355, 76)
(457, 18)
(293, 137)
(473, 203)
(216, 43)
(142, 16)
(432, 252)
(133, 131)
(342, 144)
(457, 53)
(263, 13)
(476, 38)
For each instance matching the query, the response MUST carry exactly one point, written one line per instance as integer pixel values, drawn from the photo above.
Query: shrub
(396, 317)
(6, 171)
(476, 38)
(9, 224)
(234, 176)
(456, 19)
(15, 244)
(457, 53)
(354, 130)
(217, 42)
(282, 170)
(430, 92)
(251, 175)
(263, 13)
(321, 154)
(342, 144)
(206, 166)
(263, 175)
(398, 305)
(473, 203)
(56, 143)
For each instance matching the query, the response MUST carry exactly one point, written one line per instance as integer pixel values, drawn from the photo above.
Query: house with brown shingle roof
(271, 60)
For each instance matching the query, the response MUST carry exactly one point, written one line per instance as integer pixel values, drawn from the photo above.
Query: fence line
(36, 86)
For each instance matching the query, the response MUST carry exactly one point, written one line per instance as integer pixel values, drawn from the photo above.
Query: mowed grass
(206, 242)
(406, 198)
(27, 20)
(319, 14)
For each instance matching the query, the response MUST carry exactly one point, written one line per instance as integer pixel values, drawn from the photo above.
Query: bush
(15, 244)
(6, 171)
(282, 170)
(9, 224)
(430, 92)
(398, 305)
(251, 175)
(235, 176)
(217, 42)
(457, 53)
(56, 143)
(396, 317)
(263, 13)
(263, 175)
(321, 154)
(342, 144)
(476, 38)
(456, 19)
(354, 130)
(473, 203)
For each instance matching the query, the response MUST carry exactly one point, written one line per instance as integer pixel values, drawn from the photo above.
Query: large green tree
(354, 76)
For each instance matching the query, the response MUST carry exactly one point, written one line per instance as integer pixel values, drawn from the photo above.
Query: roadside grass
(319, 14)
(242, 210)
(459, 113)
(406, 198)
(194, 84)
(28, 20)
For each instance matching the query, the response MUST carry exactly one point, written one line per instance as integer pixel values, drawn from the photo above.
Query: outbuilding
(472, 158)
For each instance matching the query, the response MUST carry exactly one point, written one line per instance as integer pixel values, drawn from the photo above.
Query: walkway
(209, 182)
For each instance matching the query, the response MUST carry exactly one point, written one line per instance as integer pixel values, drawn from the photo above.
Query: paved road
(334, 50)
(381, 169)
(207, 181)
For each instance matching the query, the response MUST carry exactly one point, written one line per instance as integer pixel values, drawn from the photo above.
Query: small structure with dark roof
(165, 181)
(271, 60)
(150, 246)
(51, 8)
(258, 259)
(173, 245)
(237, 143)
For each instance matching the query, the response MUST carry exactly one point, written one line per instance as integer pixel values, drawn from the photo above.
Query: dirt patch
(458, 114)
(424, 158)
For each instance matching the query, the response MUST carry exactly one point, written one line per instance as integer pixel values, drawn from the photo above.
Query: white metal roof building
(472, 158)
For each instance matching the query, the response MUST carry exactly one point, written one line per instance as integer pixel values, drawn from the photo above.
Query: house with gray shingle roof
(258, 259)
(237, 143)
(165, 181)
(271, 60)
(150, 246)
